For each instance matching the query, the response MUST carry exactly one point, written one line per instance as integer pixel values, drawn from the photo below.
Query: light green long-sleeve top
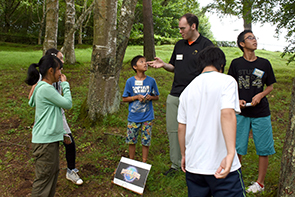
(48, 102)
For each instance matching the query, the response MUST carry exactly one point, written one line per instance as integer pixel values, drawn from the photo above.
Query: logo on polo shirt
(195, 52)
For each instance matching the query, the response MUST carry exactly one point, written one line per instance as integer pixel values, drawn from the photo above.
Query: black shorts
(207, 185)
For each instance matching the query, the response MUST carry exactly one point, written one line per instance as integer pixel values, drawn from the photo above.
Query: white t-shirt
(200, 108)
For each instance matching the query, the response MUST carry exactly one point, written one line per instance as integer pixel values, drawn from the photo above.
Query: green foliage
(278, 12)
(250, 10)
(166, 15)
(225, 43)
(284, 18)
(159, 40)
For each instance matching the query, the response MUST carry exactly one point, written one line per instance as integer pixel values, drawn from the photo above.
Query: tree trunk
(77, 24)
(247, 14)
(287, 174)
(69, 43)
(42, 23)
(80, 39)
(148, 30)
(50, 40)
(103, 95)
(124, 29)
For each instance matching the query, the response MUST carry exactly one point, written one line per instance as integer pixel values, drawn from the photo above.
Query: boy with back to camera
(140, 90)
(252, 73)
(207, 130)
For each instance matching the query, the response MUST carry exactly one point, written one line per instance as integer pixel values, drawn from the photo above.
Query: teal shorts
(262, 135)
(134, 128)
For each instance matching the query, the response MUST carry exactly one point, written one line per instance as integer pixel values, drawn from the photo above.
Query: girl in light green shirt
(48, 129)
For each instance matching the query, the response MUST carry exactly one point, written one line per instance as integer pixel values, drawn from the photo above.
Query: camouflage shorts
(133, 130)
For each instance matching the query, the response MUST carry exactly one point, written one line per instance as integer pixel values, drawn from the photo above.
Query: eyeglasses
(251, 38)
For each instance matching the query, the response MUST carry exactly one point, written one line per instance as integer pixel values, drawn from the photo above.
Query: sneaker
(171, 171)
(254, 188)
(73, 176)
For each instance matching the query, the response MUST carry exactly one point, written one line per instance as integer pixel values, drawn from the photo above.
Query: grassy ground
(100, 148)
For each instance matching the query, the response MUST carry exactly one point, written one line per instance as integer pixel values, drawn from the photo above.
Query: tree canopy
(166, 14)
(278, 12)
(284, 18)
(20, 19)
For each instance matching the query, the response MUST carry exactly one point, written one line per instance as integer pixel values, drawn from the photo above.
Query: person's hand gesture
(157, 63)
(63, 78)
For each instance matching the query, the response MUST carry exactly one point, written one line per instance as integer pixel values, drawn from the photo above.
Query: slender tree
(148, 30)
(247, 13)
(50, 40)
(124, 29)
(41, 20)
(81, 25)
(69, 43)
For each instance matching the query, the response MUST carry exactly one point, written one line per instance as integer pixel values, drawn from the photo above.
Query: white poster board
(132, 174)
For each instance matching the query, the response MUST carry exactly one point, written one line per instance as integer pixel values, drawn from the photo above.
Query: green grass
(99, 148)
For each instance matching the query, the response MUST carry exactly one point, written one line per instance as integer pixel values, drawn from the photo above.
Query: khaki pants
(172, 103)
(46, 169)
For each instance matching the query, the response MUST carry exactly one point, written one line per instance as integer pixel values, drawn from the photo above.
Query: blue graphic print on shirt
(140, 111)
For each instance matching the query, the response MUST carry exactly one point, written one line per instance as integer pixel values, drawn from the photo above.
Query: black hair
(191, 19)
(211, 56)
(52, 51)
(241, 38)
(46, 62)
(135, 60)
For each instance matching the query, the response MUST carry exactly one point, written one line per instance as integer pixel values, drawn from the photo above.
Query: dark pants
(207, 185)
(71, 153)
(46, 169)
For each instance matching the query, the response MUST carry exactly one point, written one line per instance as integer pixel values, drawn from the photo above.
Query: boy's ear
(242, 44)
(134, 66)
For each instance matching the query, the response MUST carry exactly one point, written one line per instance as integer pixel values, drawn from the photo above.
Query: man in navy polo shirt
(183, 64)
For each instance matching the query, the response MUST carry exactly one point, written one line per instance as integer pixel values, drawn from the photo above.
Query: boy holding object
(140, 91)
(252, 73)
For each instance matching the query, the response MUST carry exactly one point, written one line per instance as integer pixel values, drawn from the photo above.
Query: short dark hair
(211, 56)
(135, 60)
(241, 38)
(191, 19)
